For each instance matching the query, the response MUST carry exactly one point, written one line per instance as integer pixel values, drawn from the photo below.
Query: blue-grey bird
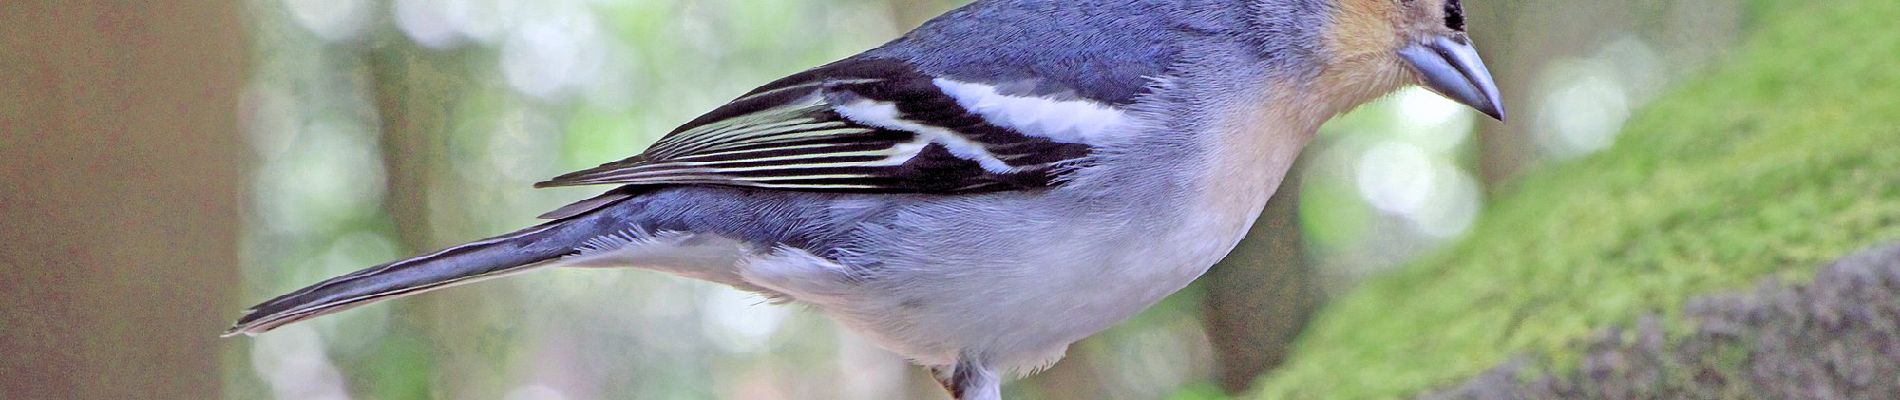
(1007, 179)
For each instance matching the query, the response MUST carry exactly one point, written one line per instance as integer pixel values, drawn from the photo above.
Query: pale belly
(1019, 307)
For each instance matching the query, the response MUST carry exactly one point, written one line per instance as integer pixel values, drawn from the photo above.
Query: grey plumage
(1009, 41)
(493, 257)
(1174, 121)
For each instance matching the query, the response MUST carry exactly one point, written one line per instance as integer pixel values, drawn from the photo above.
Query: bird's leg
(943, 379)
(969, 380)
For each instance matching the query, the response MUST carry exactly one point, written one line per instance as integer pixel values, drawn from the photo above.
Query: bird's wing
(872, 125)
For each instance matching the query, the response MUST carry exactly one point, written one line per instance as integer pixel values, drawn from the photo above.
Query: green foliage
(1782, 159)
(401, 369)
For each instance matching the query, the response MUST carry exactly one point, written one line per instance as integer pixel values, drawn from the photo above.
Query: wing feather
(860, 125)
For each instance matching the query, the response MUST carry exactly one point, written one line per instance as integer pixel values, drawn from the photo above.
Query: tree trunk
(417, 93)
(123, 175)
(1506, 150)
(1260, 297)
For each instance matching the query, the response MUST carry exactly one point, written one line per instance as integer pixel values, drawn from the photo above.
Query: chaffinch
(1007, 179)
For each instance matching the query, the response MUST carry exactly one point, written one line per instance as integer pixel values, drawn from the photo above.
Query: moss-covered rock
(1780, 160)
(1836, 338)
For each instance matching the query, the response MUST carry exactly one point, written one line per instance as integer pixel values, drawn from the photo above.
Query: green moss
(1784, 158)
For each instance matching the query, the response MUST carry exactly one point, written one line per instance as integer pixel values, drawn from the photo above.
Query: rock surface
(1837, 337)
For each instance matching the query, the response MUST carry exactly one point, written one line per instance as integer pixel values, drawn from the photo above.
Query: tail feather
(495, 257)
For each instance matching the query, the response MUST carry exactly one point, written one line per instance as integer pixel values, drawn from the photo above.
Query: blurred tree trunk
(1260, 297)
(424, 99)
(124, 175)
(1505, 150)
(417, 93)
(1520, 40)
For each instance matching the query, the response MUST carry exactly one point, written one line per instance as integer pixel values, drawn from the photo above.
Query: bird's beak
(1450, 66)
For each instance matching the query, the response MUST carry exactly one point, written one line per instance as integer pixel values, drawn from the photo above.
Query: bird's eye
(1455, 15)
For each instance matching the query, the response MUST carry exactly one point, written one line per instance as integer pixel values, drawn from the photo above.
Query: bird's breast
(1249, 151)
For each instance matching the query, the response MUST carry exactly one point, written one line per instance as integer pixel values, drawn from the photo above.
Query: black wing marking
(903, 134)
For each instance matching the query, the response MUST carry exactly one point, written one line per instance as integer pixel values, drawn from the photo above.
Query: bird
(981, 192)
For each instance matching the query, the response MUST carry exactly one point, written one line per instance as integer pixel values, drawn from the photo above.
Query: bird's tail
(495, 257)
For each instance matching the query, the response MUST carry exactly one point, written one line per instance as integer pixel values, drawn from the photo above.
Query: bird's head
(1421, 42)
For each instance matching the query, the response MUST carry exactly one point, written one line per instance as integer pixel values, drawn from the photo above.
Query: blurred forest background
(183, 159)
